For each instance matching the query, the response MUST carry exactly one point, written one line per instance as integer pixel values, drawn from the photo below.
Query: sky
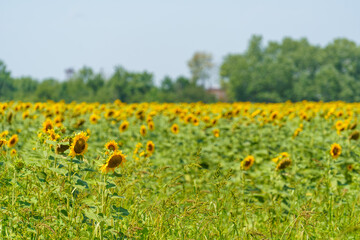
(41, 38)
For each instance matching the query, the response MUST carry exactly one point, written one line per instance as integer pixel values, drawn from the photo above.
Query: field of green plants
(179, 171)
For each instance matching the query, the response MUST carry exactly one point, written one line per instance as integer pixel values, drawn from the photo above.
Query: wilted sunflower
(143, 130)
(284, 163)
(150, 147)
(13, 140)
(2, 142)
(47, 125)
(175, 128)
(354, 135)
(114, 160)
(123, 126)
(247, 162)
(112, 146)
(335, 150)
(79, 145)
(216, 132)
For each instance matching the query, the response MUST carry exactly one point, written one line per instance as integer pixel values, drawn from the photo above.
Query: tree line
(279, 71)
(293, 70)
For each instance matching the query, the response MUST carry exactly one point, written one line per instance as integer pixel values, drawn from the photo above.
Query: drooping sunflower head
(335, 150)
(284, 163)
(354, 135)
(116, 159)
(247, 162)
(13, 140)
(112, 146)
(79, 145)
(143, 130)
(47, 125)
(175, 128)
(123, 126)
(150, 147)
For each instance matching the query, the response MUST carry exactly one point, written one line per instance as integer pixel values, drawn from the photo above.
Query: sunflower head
(13, 152)
(94, 118)
(150, 147)
(151, 126)
(284, 163)
(79, 145)
(2, 142)
(112, 146)
(350, 167)
(247, 162)
(53, 135)
(354, 135)
(47, 125)
(123, 126)
(13, 140)
(335, 150)
(216, 132)
(143, 130)
(175, 128)
(116, 159)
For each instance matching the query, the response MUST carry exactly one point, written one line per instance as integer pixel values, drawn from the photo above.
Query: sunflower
(4, 133)
(143, 130)
(94, 118)
(247, 162)
(47, 125)
(79, 145)
(114, 160)
(175, 128)
(53, 135)
(216, 132)
(354, 135)
(13, 140)
(297, 132)
(112, 146)
(123, 126)
(150, 147)
(151, 125)
(335, 150)
(13, 152)
(284, 163)
(350, 167)
(25, 115)
(195, 121)
(2, 142)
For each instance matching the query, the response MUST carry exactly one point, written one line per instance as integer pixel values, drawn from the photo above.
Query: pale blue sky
(41, 38)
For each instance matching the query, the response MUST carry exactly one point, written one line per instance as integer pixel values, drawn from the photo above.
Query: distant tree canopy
(86, 85)
(293, 70)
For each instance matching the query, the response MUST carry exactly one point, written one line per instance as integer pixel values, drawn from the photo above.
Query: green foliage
(293, 70)
(88, 86)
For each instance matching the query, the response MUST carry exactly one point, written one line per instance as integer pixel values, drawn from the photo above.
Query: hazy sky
(43, 38)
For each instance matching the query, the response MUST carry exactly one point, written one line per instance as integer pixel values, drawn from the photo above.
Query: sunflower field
(179, 171)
